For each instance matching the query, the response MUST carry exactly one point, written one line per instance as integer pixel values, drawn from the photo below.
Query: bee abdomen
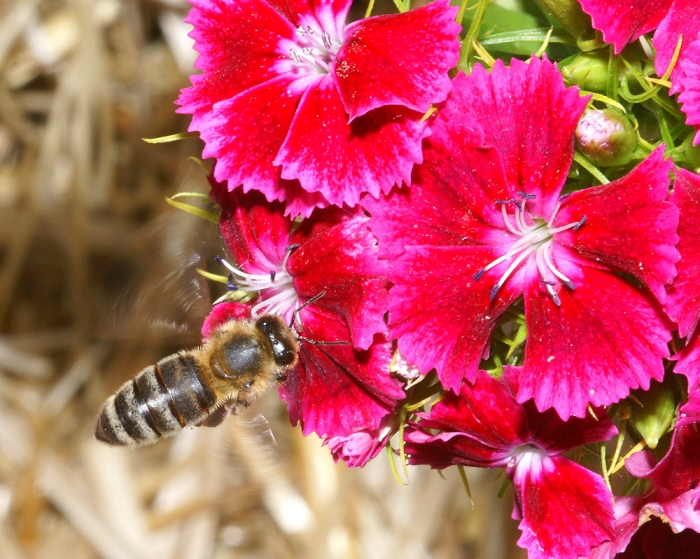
(160, 401)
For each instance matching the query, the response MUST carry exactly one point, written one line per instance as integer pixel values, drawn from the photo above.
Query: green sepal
(654, 413)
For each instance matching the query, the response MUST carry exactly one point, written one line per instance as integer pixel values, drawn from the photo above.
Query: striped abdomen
(159, 402)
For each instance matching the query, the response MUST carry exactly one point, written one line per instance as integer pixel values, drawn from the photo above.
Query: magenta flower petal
(237, 45)
(679, 470)
(432, 331)
(689, 70)
(624, 22)
(330, 155)
(245, 134)
(617, 329)
(337, 390)
(471, 435)
(675, 497)
(566, 509)
(629, 226)
(682, 19)
(221, 314)
(372, 69)
(689, 365)
(255, 232)
(529, 116)
(682, 304)
(338, 257)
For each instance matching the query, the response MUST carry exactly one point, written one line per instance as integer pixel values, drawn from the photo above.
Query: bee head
(285, 347)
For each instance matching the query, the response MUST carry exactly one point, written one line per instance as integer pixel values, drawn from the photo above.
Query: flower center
(277, 294)
(527, 460)
(311, 52)
(535, 239)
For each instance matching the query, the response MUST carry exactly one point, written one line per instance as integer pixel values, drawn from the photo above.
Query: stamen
(550, 264)
(326, 40)
(294, 56)
(535, 238)
(554, 213)
(285, 298)
(506, 221)
(527, 252)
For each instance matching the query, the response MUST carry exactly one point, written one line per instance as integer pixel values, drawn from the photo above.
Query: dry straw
(97, 279)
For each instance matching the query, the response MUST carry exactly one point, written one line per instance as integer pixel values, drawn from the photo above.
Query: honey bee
(241, 360)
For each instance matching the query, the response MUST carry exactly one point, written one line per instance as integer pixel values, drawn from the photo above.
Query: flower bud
(571, 16)
(606, 137)
(655, 414)
(589, 71)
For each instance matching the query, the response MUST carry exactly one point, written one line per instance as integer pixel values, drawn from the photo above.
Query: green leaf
(171, 138)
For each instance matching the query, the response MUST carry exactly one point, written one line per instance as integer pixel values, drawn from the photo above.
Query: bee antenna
(312, 300)
(317, 342)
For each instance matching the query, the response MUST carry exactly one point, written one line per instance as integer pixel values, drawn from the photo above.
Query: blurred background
(98, 280)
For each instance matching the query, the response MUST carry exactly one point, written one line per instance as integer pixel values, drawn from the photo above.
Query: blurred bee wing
(166, 297)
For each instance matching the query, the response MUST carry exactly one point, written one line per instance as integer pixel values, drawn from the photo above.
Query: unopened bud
(655, 414)
(571, 16)
(589, 71)
(606, 137)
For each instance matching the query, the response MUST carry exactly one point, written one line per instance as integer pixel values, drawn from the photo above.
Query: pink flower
(674, 499)
(358, 448)
(564, 509)
(306, 109)
(325, 278)
(624, 22)
(485, 223)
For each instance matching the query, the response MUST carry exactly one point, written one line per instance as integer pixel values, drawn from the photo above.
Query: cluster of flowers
(448, 248)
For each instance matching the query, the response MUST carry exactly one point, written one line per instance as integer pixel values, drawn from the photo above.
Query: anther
(272, 275)
(495, 289)
(294, 56)
(479, 274)
(230, 285)
(526, 195)
(579, 224)
(326, 40)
